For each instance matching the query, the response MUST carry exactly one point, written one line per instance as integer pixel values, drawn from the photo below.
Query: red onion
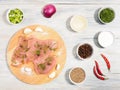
(49, 10)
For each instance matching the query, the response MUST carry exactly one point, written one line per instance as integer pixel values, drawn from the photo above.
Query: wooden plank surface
(58, 22)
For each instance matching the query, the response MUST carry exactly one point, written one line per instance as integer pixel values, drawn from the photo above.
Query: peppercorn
(85, 51)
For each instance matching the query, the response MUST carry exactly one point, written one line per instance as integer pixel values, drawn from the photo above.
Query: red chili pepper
(97, 75)
(98, 68)
(106, 60)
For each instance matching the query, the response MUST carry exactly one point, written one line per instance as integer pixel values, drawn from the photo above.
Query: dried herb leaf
(27, 49)
(38, 52)
(49, 60)
(42, 66)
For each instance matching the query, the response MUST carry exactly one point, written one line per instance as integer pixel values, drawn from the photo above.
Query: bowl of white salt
(105, 38)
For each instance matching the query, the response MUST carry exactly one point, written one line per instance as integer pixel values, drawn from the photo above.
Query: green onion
(15, 16)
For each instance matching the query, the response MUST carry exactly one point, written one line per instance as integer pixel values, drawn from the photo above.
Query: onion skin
(49, 10)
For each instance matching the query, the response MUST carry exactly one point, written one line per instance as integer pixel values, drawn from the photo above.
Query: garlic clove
(38, 29)
(26, 70)
(57, 66)
(52, 75)
(22, 69)
(27, 31)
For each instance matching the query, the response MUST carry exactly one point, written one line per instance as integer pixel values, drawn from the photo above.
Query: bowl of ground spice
(106, 15)
(84, 51)
(77, 75)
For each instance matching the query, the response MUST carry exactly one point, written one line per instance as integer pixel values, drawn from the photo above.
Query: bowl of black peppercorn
(84, 51)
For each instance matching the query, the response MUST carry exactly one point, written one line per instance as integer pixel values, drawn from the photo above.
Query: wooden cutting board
(34, 78)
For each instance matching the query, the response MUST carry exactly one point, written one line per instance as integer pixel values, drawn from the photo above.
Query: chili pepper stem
(109, 70)
(104, 75)
(106, 78)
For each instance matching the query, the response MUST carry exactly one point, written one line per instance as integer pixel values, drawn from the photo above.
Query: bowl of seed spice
(77, 75)
(84, 51)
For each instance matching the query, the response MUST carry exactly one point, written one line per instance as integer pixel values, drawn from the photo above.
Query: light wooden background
(65, 9)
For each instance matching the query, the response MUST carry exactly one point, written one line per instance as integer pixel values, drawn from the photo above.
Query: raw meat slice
(44, 65)
(37, 51)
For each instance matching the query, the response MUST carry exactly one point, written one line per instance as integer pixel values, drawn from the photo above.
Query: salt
(105, 39)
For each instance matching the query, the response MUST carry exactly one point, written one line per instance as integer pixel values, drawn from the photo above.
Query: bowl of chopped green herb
(15, 16)
(106, 15)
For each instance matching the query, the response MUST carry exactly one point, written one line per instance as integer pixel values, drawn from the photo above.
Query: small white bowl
(100, 12)
(72, 80)
(7, 16)
(79, 57)
(78, 23)
(105, 38)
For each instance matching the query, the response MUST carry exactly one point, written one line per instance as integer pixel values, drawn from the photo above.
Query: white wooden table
(65, 9)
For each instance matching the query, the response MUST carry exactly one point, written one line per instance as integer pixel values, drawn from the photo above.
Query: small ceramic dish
(105, 38)
(14, 16)
(105, 14)
(77, 75)
(90, 52)
(78, 23)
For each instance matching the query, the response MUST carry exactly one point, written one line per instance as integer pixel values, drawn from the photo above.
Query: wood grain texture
(60, 55)
(58, 22)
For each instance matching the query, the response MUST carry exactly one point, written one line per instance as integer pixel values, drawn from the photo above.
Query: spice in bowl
(15, 16)
(106, 15)
(77, 75)
(105, 39)
(84, 51)
(78, 23)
